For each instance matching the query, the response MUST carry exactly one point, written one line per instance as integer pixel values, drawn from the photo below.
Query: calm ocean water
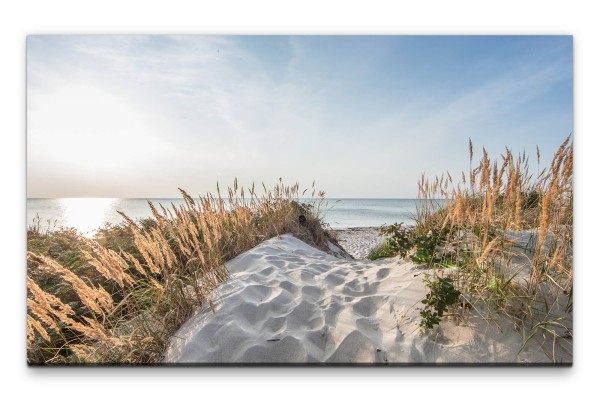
(87, 214)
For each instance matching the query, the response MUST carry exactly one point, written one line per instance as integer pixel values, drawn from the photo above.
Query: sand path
(359, 241)
(287, 302)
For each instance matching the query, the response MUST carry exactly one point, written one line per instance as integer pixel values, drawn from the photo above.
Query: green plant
(399, 238)
(504, 223)
(381, 251)
(426, 246)
(442, 294)
(402, 240)
(302, 208)
(398, 242)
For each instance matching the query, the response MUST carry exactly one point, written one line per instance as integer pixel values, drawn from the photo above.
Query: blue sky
(364, 116)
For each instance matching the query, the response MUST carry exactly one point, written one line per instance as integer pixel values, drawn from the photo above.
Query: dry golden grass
(171, 268)
(481, 219)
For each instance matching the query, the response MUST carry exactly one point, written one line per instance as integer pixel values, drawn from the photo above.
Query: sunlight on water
(86, 214)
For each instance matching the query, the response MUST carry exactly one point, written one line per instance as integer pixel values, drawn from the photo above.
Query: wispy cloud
(350, 112)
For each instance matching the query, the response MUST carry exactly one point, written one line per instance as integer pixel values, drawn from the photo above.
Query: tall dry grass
(121, 306)
(509, 234)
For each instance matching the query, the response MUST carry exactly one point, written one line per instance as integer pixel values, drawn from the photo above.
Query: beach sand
(358, 241)
(287, 302)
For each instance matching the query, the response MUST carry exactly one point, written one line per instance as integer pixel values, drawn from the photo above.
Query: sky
(363, 116)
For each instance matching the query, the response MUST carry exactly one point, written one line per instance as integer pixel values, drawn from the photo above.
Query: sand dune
(287, 302)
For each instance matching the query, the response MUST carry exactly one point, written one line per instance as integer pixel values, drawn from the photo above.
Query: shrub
(402, 241)
(399, 238)
(442, 295)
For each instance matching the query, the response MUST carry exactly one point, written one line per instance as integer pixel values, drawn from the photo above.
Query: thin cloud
(194, 109)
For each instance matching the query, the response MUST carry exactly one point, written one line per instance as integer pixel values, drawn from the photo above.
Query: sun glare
(86, 214)
(90, 128)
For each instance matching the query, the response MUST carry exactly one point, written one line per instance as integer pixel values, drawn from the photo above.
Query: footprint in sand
(256, 293)
(383, 273)
(367, 306)
(286, 350)
(354, 347)
(253, 313)
(333, 279)
(308, 278)
(289, 286)
(312, 293)
(274, 324)
(267, 270)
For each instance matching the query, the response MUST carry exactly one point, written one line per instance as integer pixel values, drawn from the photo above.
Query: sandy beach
(358, 241)
(287, 302)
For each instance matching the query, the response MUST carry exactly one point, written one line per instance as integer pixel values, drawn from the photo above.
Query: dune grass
(119, 297)
(506, 237)
(500, 241)
(381, 251)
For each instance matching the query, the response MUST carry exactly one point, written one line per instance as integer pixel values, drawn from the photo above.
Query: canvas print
(299, 200)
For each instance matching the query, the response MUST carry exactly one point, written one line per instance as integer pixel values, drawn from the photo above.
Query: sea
(89, 214)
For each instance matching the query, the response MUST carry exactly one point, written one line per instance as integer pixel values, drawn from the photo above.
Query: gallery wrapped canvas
(299, 200)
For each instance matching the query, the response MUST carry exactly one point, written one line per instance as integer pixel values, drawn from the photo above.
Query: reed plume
(151, 280)
(484, 221)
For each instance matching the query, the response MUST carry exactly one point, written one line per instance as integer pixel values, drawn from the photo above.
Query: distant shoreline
(87, 215)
